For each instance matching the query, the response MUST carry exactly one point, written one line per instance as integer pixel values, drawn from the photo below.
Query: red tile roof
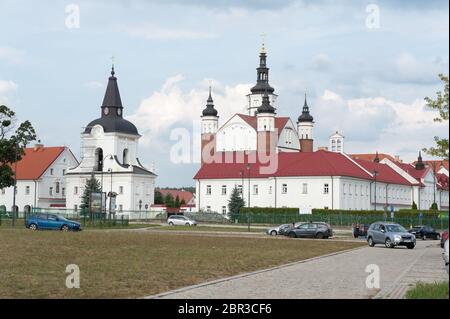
(442, 180)
(438, 164)
(187, 196)
(385, 173)
(319, 163)
(280, 122)
(411, 170)
(371, 157)
(36, 161)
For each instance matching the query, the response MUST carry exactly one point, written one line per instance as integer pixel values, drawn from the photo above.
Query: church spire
(210, 110)
(305, 116)
(262, 75)
(377, 158)
(112, 95)
(420, 164)
(265, 106)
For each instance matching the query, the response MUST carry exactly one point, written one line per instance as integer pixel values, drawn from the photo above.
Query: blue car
(51, 222)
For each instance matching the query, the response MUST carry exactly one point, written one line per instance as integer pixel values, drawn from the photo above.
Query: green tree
(92, 185)
(236, 202)
(177, 202)
(158, 197)
(414, 206)
(434, 206)
(441, 105)
(13, 140)
(169, 201)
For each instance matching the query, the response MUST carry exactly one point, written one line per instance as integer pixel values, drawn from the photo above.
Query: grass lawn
(429, 291)
(19, 224)
(123, 264)
(213, 229)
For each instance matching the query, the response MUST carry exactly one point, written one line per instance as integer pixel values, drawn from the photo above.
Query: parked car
(360, 230)
(425, 232)
(311, 230)
(279, 230)
(180, 220)
(390, 235)
(444, 238)
(51, 222)
(445, 254)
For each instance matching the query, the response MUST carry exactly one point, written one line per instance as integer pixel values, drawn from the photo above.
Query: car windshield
(61, 217)
(395, 229)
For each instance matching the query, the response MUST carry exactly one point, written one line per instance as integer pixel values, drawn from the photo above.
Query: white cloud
(172, 107)
(11, 55)
(94, 85)
(6, 88)
(321, 62)
(151, 31)
(378, 124)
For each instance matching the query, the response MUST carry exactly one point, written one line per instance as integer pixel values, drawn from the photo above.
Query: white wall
(236, 135)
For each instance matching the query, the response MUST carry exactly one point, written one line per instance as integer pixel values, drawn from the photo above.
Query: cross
(112, 60)
(263, 39)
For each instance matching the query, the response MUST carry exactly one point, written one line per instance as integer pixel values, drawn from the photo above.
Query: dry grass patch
(123, 264)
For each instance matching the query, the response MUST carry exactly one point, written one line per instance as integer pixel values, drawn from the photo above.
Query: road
(341, 275)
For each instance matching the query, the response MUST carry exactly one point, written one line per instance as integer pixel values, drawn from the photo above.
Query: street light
(241, 172)
(375, 174)
(249, 166)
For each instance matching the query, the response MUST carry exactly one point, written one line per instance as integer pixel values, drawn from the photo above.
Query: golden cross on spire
(263, 40)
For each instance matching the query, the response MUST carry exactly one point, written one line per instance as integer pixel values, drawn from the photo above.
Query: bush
(414, 206)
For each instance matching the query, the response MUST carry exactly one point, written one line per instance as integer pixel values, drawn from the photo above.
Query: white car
(445, 254)
(180, 220)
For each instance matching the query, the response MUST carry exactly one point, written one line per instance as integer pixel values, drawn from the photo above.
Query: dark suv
(425, 232)
(311, 230)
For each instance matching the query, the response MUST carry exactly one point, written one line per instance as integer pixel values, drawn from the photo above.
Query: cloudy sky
(365, 76)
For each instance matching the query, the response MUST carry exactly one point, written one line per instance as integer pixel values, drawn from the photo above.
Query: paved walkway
(341, 275)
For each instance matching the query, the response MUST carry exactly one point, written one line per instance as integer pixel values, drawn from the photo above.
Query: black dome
(305, 117)
(113, 124)
(262, 88)
(209, 110)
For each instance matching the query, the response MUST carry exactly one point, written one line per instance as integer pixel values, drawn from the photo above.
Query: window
(325, 188)
(343, 187)
(125, 157)
(3, 191)
(224, 189)
(50, 191)
(224, 210)
(75, 208)
(120, 189)
(64, 172)
(239, 187)
(63, 191)
(356, 190)
(208, 208)
(27, 190)
(57, 187)
(270, 190)
(120, 207)
(255, 190)
(51, 171)
(208, 189)
(284, 189)
(349, 189)
(305, 188)
(75, 190)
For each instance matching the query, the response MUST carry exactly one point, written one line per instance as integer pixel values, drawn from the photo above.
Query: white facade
(335, 192)
(48, 190)
(255, 100)
(133, 184)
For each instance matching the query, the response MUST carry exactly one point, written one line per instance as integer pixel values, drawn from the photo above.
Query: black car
(311, 230)
(425, 232)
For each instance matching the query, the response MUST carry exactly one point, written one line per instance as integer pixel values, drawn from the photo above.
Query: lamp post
(375, 174)
(249, 166)
(15, 187)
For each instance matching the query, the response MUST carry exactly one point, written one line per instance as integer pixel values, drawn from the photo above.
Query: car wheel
(292, 235)
(33, 227)
(411, 246)
(371, 242)
(273, 233)
(170, 224)
(319, 235)
(65, 228)
(388, 243)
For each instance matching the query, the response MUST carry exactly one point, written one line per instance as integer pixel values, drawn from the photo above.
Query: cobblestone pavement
(339, 275)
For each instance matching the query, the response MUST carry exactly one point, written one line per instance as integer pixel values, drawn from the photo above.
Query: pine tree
(414, 206)
(169, 201)
(92, 185)
(158, 197)
(177, 202)
(236, 202)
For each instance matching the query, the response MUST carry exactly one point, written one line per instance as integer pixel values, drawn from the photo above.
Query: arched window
(98, 160)
(125, 157)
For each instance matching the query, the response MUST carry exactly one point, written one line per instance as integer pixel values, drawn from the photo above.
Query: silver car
(274, 231)
(180, 220)
(390, 235)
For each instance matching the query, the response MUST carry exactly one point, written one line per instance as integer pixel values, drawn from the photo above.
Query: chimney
(397, 158)
(38, 146)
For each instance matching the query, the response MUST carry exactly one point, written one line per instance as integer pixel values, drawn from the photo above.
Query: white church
(234, 155)
(110, 154)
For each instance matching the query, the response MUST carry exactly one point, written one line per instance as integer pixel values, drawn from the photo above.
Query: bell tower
(210, 125)
(305, 127)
